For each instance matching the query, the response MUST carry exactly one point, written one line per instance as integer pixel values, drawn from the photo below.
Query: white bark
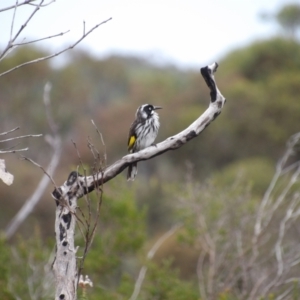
(64, 266)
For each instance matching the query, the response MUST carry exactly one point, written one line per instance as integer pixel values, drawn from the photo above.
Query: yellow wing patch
(131, 142)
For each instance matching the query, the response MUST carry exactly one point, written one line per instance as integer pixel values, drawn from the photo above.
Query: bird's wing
(132, 136)
(131, 142)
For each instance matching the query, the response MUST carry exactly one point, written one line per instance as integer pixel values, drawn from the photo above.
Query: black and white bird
(142, 133)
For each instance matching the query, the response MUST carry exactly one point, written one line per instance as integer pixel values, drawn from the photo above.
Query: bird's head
(145, 111)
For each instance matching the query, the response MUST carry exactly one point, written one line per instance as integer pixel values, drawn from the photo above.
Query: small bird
(142, 133)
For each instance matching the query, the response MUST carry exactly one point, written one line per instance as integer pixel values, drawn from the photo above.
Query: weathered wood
(64, 266)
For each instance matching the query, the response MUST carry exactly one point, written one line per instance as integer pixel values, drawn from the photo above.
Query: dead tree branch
(172, 143)
(77, 186)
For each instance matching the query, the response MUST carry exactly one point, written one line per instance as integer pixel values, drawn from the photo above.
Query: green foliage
(5, 294)
(26, 268)
(163, 283)
(159, 209)
(255, 172)
(261, 107)
(263, 59)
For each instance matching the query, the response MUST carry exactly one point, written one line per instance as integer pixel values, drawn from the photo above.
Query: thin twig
(90, 229)
(21, 137)
(39, 166)
(13, 21)
(41, 39)
(43, 5)
(13, 151)
(18, 5)
(10, 131)
(12, 39)
(26, 2)
(102, 141)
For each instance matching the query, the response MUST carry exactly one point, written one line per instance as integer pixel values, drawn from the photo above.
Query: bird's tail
(132, 171)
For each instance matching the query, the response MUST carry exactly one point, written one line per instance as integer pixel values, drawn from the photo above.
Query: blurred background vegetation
(261, 84)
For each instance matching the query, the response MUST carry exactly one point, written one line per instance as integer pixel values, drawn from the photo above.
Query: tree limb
(77, 186)
(84, 185)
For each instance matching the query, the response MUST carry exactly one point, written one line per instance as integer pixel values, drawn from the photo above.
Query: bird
(142, 133)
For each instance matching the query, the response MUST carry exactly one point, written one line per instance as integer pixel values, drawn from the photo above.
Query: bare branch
(7, 150)
(13, 21)
(41, 39)
(28, 2)
(280, 170)
(16, 5)
(12, 39)
(171, 143)
(102, 141)
(227, 261)
(10, 131)
(54, 54)
(21, 137)
(43, 5)
(13, 151)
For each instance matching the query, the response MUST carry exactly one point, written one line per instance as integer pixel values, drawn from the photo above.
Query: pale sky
(188, 33)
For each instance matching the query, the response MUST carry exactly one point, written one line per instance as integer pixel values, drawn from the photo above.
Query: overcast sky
(188, 33)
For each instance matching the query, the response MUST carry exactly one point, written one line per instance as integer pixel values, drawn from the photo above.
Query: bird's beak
(157, 107)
